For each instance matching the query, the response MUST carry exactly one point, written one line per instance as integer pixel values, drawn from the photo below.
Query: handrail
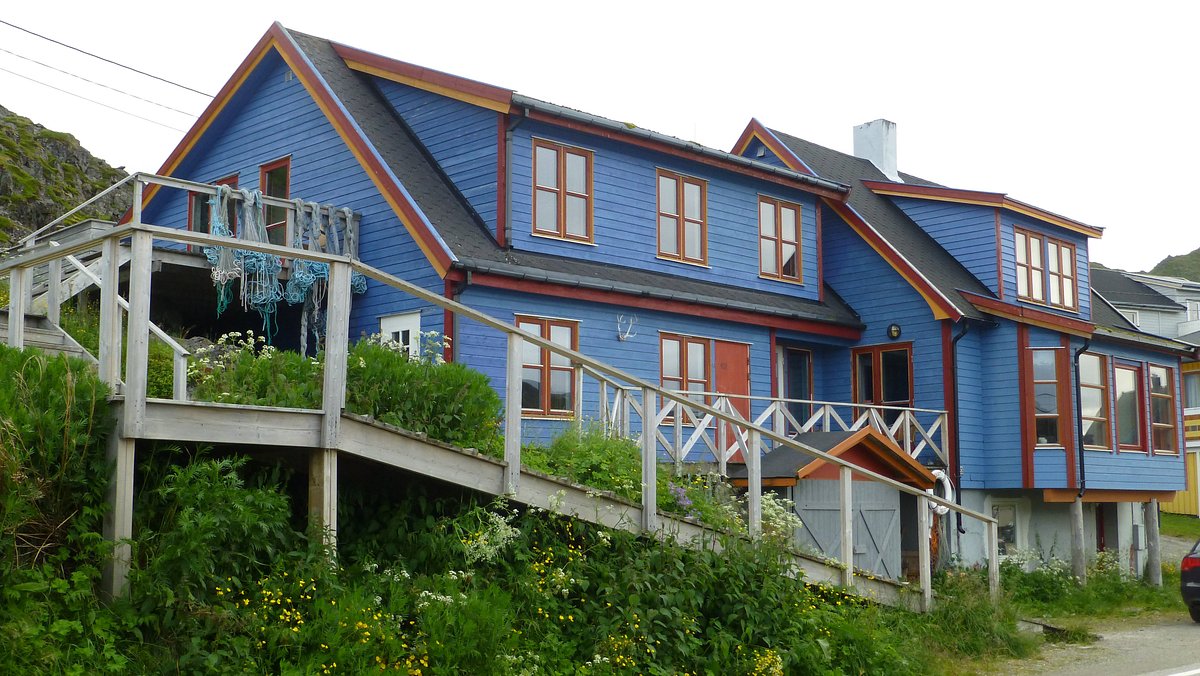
(154, 328)
(27, 238)
(748, 436)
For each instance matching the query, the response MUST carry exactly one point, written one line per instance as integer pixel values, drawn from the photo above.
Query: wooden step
(41, 334)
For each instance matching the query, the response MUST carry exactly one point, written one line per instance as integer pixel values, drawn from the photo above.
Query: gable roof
(912, 251)
(1121, 289)
(449, 232)
(1110, 323)
(878, 453)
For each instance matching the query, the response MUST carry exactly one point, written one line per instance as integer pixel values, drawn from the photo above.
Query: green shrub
(82, 322)
(242, 369)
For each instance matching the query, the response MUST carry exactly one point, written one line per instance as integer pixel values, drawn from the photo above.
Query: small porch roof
(868, 448)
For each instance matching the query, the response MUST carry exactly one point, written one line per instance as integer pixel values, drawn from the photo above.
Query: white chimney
(876, 141)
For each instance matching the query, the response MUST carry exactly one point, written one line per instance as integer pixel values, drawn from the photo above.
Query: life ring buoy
(943, 480)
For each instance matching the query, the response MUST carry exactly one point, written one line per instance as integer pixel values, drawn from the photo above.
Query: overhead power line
(98, 84)
(78, 96)
(96, 56)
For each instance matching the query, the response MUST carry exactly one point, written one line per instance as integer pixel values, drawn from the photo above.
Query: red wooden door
(731, 375)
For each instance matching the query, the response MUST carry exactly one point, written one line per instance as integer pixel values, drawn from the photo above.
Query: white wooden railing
(638, 399)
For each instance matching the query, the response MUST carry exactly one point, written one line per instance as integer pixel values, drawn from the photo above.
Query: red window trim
(1174, 410)
(1056, 278)
(778, 240)
(876, 352)
(1059, 279)
(232, 182)
(1062, 395)
(1029, 267)
(263, 170)
(681, 220)
(1105, 402)
(544, 324)
(1140, 380)
(561, 191)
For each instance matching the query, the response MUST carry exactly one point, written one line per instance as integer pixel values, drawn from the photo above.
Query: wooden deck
(300, 431)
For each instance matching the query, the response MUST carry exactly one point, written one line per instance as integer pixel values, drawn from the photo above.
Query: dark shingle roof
(1112, 324)
(1119, 289)
(473, 245)
(942, 270)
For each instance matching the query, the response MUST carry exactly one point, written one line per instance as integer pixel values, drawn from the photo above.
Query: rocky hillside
(44, 174)
(1186, 266)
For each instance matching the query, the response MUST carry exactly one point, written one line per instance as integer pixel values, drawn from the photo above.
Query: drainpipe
(1079, 419)
(957, 434)
(514, 121)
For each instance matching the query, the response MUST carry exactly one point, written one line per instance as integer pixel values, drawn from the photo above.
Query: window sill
(529, 415)
(793, 282)
(684, 262)
(1099, 449)
(1047, 305)
(568, 240)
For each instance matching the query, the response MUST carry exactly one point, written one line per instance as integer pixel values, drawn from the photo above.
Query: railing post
(578, 392)
(605, 420)
(722, 445)
(135, 214)
(110, 314)
(337, 341)
(512, 416)
(923, 553)
(54, 291)
(16, 307)
(993, 536)
(846, 513)
(649, 461)
(625, 411)
(180, 377)
(138, 348)
(676, 432)
(908, 423)
(754, 481)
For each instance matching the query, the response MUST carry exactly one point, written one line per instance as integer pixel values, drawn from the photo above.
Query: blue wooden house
(779, 274)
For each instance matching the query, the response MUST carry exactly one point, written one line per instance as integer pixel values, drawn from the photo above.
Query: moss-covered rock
(45, 173)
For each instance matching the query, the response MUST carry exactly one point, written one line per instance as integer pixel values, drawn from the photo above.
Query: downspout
(1079, 419)
(513, 122)
(957, 434)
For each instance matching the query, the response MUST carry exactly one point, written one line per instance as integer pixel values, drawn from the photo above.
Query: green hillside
(1186, 266)
(45, 173)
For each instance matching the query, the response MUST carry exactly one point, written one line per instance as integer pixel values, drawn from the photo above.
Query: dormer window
(1045, 270)
(562, 199)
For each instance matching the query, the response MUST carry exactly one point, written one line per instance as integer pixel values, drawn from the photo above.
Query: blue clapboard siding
(272, 117)
(755, 150)
(1050, 467)
(967, 231)
(1136, 470)
(994, 462)
(881, 297)
(973, 409)
(484, 349)
(1007, 221)
(462, 138)
(624, 213)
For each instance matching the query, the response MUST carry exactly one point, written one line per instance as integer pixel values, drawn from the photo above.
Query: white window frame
(1021, 512)
(1133, 316)
(393, 327)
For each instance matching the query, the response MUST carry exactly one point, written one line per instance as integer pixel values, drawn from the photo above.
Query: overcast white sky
(1087, 109)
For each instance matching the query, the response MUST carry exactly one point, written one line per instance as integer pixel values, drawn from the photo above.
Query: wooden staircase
(42, 334)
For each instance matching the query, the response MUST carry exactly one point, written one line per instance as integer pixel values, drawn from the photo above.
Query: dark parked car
(1189, 581)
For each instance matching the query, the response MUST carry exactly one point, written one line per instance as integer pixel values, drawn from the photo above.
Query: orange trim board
(278, 39)
(474, 92)
(756, 130)
(992, 199)
(1031, 316)
(940, 305)
(871, 450)
(1105, 495)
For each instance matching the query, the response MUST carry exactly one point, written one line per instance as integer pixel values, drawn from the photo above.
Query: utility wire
(105, 105)
(98, 84)
(95, 56)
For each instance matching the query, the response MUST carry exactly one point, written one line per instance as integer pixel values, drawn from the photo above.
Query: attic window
(1045, 270)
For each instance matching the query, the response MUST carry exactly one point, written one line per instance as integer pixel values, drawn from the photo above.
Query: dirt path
(1162, 644)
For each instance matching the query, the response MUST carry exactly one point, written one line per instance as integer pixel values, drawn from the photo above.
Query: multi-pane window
(1130, 401)
(1162, 410)
(1047, 420)
(1193, 310)
(562, 199)
(1093, 406)
(1060, 274)
(1045, 270)
(200, 208)
(883, 377)
(547, 379)
(686, 365)
(779, 239)
(682, 209)
(275, 181)
(1028, 247)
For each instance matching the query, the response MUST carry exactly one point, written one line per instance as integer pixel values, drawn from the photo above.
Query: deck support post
(754, 480)
(1078, 553)
(993, 562)
(512, 416)
(118, 521)
(846, 511)
(1153, 550)
(323, 493)
(54, 291)
(137, 349)
(110, 314)
(17, 307)
(924, 560)
(649, 461)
